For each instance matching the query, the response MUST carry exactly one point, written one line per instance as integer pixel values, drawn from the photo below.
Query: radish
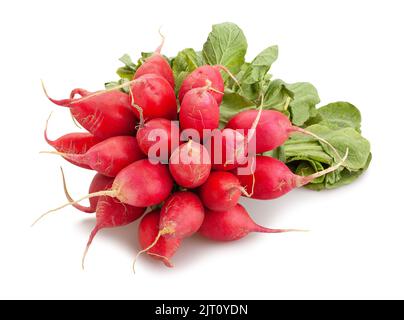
(272, 178)
(190, 164)
(181, 216)
(199, 110)
(111, 213)
(99, 183)
(77, 142)
(159, 136)
(230, 152)
(198, 77)
(156, 64)
(164, 248)
(141, 184)
(232, 224)
(109, 156)
(153, 97)
(272, 130)
(104, 114)
(221, 191)
(235, 145)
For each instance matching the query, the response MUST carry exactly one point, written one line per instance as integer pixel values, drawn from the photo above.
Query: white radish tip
(163, 39)
(166, 261)
(44, 89)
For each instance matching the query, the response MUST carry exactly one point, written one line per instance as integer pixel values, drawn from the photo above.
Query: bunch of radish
(161, 158)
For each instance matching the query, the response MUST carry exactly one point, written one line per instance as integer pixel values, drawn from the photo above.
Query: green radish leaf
(296, 99)
(146, 55)
(277, 96)
(346, 177)
(226, 45)
(232, 104)
(253, 76)
(278, 153)
(129, 69)
(300, 149)
(338, 115)
(125, 73)
(113, 84)
(256, 70)
(303, 104)
(127, 61)
(341, 139)
(305, 155)
(185, 62)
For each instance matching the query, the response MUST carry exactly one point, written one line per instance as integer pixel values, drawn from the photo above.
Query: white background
(350, 50)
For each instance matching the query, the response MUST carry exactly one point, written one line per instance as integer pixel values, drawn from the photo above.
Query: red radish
(197, 79)
(190, 164)
(98, 183)
(153, 97)
(181, 216)
(272, 178)
(77, 142)
(231, 152)
(235, 146)
(109, 156)
(141, 184)
(165, 248)
(158, 132)
(104, 114)
(157, 64)
(199, 110)
(112, 213)
(221, 191)
(272, 130)
(232, 224)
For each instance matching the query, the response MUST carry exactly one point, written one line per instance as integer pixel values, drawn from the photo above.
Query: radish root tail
(63, 154)
(303, 180)
(75, 121)
(90, 240)
(138, 108)
(163, 39)
(69, 198)
(97, 93)
(231, 75)
(244, 192)
(67, 194)
(301, 130)
(209, 87)
(253, 179)
(167, 261)
(109, 193)
(269, 230)
(254, 125)
(45, 132)
(161, 233)
(44, 89)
